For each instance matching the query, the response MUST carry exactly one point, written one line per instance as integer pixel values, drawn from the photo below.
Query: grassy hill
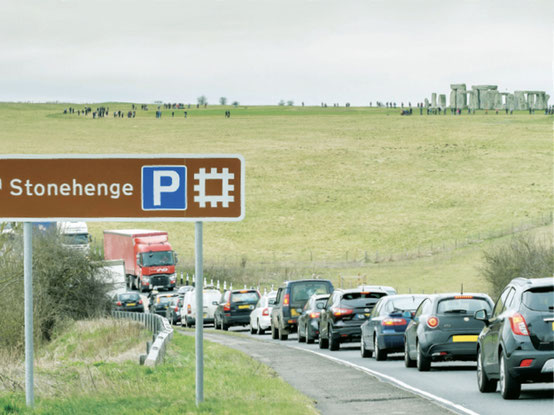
(325, 184)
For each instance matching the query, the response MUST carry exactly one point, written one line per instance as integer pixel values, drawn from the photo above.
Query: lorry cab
(75, 235)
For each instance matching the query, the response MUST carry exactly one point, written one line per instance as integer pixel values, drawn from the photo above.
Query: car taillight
(119, 303)
(189, 309)
(338, 312)
(519, 326)
(176, 309)
(227, 306)
(432, 322)
(286, 300)
(393, 322)
(315, 314)
(265, 312)
(140, 301)
(526, 363)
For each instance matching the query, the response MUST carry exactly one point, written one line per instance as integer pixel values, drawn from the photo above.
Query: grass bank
(93, 368)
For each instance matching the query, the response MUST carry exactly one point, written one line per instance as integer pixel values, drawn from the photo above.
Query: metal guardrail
(161, 330)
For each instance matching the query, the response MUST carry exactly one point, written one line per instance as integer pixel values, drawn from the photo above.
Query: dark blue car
(383, 332)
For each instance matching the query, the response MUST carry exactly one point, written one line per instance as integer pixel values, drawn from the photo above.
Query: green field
(328, 185)
(92, 367)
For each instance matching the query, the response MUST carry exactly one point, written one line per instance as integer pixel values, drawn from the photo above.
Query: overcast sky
(261, 51)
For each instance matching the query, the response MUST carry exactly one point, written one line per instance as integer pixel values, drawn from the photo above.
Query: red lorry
(149, 259)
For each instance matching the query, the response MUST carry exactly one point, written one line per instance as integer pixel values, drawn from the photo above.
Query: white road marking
(445, 402)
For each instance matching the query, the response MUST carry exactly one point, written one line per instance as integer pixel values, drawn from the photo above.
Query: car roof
(533, 282)
(392, 297)
(448, 295)
(287, 283)
(361, 290)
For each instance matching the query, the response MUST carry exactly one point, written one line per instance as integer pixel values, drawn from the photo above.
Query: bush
(65, 287)
(523, 256)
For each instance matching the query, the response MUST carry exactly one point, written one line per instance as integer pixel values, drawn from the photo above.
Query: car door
(490, 338)
(411, 330)
(324, 316)
(276, 308)
(371, 324)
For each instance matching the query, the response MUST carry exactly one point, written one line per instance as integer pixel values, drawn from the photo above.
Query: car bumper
(265, 322)
(231, 320)
(391, 342)
(138, 309)
(313, 329)
(348, 334)
(540, 370)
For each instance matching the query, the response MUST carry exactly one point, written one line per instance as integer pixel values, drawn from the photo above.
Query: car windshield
(130, 296)
(270, 301)
(245, 297)
(302, 291)
(75, 239)
(462, 305)
(150, 259)
(539, 299)
(403, 304)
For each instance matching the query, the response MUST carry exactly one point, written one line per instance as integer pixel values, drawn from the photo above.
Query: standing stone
(497, 99)
(530, 100)
(461, 98)
(510, 102)
(520, 102)
(434, 100)
(442, 101)
(426, 103)
(453, 98)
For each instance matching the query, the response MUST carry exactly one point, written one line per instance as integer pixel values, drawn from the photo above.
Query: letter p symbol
(164, 188)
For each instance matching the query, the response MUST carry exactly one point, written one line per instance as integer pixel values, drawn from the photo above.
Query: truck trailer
(148, 257)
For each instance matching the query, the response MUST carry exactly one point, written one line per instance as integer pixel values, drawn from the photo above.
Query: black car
(344, 314)
(234, 308)
(383, 332)
(159, 303)
(444, 329)
(517, 343)
(289, 302)
(308, 322)
(129, 301)
(173, 312)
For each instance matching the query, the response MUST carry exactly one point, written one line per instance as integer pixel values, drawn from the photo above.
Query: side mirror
(481, 315)
(215, 303)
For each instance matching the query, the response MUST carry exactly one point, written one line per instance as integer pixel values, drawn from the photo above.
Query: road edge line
(445, 402)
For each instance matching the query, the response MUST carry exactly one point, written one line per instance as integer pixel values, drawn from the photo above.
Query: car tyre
(216, 323)
(274, 332)
(510, 388)
(408, 361)
(334, 343)
(485, 384)
(309, 339)
(323, 343)
(260, 330)
(301, 339)
(252, 330)
(282, 336)
(378, 352)
(423, 363)
(363, 351)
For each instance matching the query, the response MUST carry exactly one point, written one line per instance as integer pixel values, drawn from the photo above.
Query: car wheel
(216, 323)
(363, 351)
(252, 330)
(309, 338)
(323, 343)
(485, 384)
(260, 330)
(224, 326)
(510, 388)
(334, 343)
(301, 339)
(408, 361)
(423, 363)
(282, 336)
(377, 352)
(274, 332)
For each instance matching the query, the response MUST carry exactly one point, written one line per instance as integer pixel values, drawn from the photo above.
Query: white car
(260, 318)
(210, 300)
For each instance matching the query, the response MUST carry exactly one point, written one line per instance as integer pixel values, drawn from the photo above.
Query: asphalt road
(454, 383)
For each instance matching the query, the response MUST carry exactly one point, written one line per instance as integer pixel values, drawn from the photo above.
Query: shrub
(522, 256)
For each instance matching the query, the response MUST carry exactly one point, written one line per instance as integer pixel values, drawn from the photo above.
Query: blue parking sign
(164, 188)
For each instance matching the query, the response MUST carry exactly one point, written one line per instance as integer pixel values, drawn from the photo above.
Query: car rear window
(361, 299)
(462, 305)
(539, 299)
(163, 300)
(130, 296)
(302, 291)
(403, 304)
(245, 297)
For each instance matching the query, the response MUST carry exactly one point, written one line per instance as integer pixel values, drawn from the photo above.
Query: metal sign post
(199, 323)
(28, 288)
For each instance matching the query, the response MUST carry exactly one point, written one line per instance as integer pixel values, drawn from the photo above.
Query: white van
(75, 235)
(112, 272)
(210, 298)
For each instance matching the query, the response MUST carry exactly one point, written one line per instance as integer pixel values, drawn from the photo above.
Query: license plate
(131, 304)
(205, 315)
(361, 316)
(242, 307)
(460, 339)
(553, 326)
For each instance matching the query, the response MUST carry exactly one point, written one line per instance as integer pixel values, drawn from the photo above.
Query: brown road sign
(122, 188)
